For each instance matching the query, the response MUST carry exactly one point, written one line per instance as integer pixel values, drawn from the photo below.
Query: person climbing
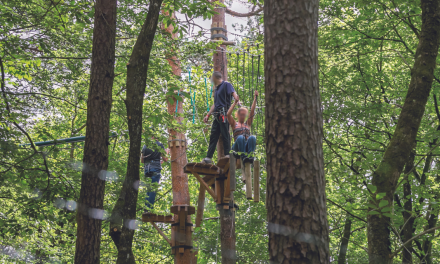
(245, 143)
(223, 94)
(151, 158)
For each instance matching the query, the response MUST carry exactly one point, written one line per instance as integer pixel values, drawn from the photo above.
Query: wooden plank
(232, 163)
(256, 181)
(224, 42)
(175, 209)
(210, 191)
(200, 205)
(173, 240)
(222, 162)
(157, 218)
(161, 233)
(248, 177)
(213, 170)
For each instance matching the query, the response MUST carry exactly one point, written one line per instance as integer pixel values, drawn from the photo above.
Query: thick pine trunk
(124, 213)
(297, 216)
(344, 241)
(388, 172)
(178, 157)
(95, 159)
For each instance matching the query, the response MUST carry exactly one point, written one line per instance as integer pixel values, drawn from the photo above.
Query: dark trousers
(219, 128)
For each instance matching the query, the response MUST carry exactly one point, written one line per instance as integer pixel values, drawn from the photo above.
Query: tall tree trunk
(297, 215)
(388, 172)
(123, 217)
(227, 216)
(344, 241)
(178, 155)
(408, 218)
(91, 198)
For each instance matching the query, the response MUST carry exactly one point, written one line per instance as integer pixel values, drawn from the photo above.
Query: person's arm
(235, 95)
(229, 114)
(252, 113)
(206, 118)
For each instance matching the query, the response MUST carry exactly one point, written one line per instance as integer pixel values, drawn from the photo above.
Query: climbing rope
(206, 92)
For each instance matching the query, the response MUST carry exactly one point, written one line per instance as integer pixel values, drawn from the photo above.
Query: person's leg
(240, 144)
(251, 144)
(224, 130)
(213, 138)
(151, 193)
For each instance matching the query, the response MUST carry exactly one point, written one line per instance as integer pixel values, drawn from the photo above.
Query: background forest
(366, 54)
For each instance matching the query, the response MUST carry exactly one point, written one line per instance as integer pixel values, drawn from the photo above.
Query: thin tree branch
(413, 238)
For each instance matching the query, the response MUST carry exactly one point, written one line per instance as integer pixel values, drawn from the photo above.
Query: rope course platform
(219, 181)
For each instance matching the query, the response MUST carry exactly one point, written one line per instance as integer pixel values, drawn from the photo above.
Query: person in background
(223, 94)
(244, 141)
(151, 158)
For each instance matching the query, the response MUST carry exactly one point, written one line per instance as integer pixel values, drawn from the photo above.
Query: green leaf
(383, 203)
(372, 188)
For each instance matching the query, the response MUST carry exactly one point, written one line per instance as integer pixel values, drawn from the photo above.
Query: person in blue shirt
(223, 94)
(151, 157)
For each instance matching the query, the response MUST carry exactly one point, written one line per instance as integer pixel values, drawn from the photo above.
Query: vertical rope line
(249, 73)
(206, 93)
(244, 67)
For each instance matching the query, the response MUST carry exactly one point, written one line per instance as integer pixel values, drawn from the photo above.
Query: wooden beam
(161, 232)
(200, 205)
(218, 193)
(204, 171)
(256, 181)
(223, 42)
(157, 218)
(248, 177)
(210, 191)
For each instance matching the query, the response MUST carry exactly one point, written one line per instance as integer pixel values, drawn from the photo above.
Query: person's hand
(167, 151)
(256, 93)
(206, 119)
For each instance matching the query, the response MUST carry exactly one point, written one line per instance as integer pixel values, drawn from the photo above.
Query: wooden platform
(149, 217)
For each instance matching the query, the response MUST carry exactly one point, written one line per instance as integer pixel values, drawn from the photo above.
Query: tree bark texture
(95, 160)
(386, 176)
(178, 157)
(123, 217)
(342, 259)
(297, 216)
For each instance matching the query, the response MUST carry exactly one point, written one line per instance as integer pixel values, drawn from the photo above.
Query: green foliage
(366, 51)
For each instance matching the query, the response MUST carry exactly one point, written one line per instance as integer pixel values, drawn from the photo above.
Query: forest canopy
(367, 67)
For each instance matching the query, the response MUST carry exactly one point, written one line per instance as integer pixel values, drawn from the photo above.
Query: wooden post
(256, 181)
(200, 205)
(232, 163)
(202, 182)
(218, 192)
(248, 177)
